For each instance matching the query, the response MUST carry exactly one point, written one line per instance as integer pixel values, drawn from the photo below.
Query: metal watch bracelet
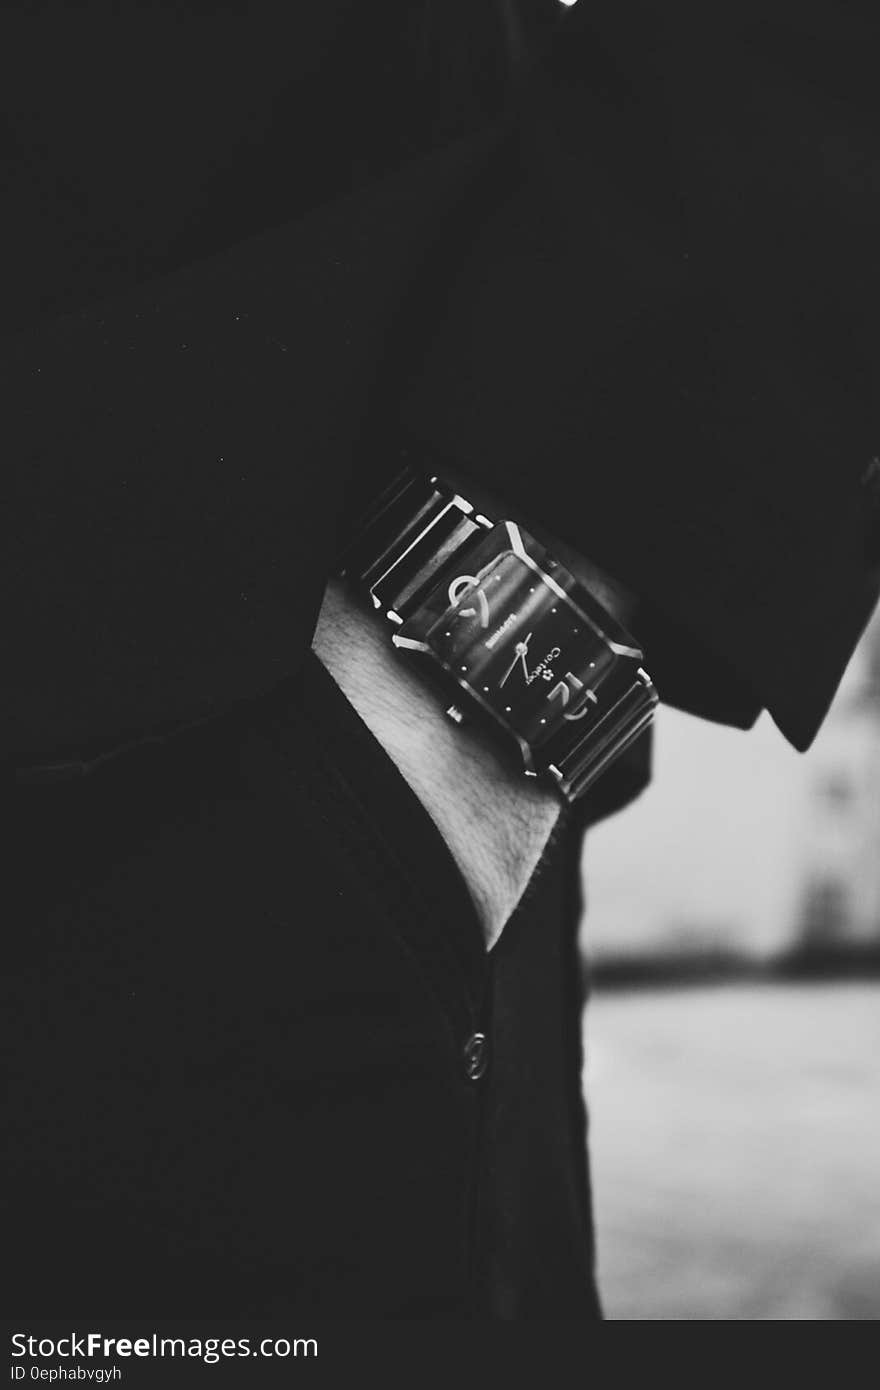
(417, 534)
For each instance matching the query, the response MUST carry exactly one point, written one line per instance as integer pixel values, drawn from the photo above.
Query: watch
(517, 645)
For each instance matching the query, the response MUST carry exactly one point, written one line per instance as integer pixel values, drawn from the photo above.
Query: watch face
(511, 635)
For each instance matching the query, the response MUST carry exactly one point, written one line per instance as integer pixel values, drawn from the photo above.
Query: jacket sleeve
(663, 339)
(651, 326)
(175, 458)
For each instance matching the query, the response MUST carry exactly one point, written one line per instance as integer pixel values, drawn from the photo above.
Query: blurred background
(733, 1034)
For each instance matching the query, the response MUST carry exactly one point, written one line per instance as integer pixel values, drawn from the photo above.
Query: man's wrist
(519, 643)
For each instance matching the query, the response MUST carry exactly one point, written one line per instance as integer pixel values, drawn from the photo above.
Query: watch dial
(520, 647)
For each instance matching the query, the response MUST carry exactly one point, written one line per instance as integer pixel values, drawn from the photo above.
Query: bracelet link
(408, 541)
(576, 769)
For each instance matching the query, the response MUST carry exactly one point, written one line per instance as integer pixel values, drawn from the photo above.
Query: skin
(495, 822)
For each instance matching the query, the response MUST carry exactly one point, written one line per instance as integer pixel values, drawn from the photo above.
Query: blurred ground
(735, 1143)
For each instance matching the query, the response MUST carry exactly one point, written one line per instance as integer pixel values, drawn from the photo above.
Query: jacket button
(476, 1056)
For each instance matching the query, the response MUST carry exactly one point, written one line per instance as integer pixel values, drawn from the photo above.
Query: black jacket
(248, 254)
(252, 260)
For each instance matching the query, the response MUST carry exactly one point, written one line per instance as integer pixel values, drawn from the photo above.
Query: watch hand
(520, 653)
(508, 671)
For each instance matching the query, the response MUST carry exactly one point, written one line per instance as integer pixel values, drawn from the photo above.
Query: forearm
(495, 821)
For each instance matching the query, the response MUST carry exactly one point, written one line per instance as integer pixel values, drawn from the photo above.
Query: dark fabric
(249, 255)
(236, 1003)
(535, 1235)
(245, 250)
(670, 318)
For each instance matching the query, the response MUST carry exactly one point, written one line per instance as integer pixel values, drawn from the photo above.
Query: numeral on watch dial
(458, 587)
(570, 686)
